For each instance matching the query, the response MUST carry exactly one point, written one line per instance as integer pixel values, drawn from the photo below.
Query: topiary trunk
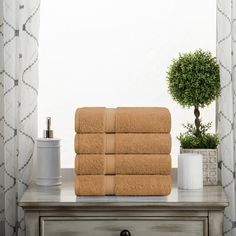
(197, 120)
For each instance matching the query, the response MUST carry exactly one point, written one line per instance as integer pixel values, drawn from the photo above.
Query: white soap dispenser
(48, 158)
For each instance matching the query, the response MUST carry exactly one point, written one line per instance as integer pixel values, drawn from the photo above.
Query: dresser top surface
(63, 195)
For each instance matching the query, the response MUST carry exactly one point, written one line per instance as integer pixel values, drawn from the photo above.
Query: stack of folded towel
(122, 151)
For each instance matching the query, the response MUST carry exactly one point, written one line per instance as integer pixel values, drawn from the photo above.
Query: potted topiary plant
(194, 81)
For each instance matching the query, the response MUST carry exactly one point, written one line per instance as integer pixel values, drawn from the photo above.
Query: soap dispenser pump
(48, 158)
(48, 133)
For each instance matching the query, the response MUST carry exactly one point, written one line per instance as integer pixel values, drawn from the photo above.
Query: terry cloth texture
(122, 151)
(123, 164)
(122, 120)
(130, 143)
(125, 185)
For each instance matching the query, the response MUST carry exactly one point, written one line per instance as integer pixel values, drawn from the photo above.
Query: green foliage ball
(194, 79)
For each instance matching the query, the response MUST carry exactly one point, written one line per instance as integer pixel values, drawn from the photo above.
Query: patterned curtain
(19, 26)
(226, 53)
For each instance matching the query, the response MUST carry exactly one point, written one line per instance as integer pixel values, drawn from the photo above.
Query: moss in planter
(192, 139)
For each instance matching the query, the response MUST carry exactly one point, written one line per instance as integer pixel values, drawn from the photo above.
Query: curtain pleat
(226, 54)
(19, 27)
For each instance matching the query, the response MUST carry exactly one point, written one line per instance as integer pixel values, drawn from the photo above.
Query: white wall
(116, 53)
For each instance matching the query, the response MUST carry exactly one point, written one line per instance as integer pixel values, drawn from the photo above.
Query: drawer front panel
(112, 226)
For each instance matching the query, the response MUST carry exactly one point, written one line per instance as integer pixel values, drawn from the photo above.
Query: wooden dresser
(56, 211)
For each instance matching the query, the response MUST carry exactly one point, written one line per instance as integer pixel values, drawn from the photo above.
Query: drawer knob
(125, 232)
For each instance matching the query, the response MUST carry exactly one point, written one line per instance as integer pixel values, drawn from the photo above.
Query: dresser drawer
(113, 226)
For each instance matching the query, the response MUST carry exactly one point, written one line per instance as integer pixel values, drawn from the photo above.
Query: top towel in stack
(126, 150)
(122, 120)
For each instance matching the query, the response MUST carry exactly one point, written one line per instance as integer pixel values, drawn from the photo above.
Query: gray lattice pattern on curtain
(19, 23)
(226, 53)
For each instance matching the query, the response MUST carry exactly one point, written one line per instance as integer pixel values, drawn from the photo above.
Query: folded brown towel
(126, 164)
(90, 120)
(143, 120)
(123, 143)
(122, 120)
(126, 185)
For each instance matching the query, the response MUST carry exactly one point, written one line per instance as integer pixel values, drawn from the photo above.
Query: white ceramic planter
(48, 162)
(210, 164)
(190, 171)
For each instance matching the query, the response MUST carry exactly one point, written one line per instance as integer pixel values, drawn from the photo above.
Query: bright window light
(116, 53)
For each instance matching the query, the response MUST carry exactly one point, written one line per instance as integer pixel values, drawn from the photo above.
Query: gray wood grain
(209, 196)
(155, 226)
(57, 211)
(216, 223)
(32, 223)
